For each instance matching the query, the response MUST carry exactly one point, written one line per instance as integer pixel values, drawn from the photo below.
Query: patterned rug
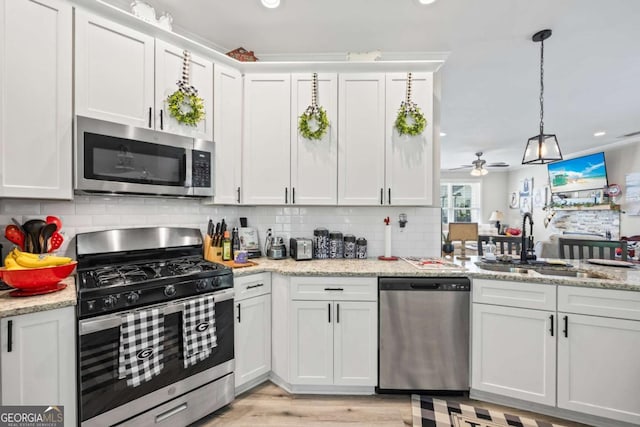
(429, 412)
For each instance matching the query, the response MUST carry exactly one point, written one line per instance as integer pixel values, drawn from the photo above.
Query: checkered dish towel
(141, 346)
(198, 330)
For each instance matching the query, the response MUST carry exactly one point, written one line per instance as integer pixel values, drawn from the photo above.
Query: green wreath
(321, 119)
(195, 111)
(419, 122)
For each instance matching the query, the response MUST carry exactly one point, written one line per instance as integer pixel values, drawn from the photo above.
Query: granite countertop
(609, 277)
(13, 306)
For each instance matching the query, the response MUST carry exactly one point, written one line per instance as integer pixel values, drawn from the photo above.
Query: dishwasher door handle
(425, 286)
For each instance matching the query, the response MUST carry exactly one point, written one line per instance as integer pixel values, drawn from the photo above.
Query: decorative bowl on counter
(36, 281)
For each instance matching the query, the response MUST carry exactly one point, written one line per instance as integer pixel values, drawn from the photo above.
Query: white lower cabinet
(252, 329)
(37, 360)
(577, 352)
(514, 353)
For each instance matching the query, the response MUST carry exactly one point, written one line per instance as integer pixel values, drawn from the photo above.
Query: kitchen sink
(571, 273)
(506, 268)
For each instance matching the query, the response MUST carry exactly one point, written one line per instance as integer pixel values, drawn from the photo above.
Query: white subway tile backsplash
(20, 207)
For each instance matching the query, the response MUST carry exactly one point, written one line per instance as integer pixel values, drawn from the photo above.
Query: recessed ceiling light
(600, 133)
(443, 134)
(426, 1)
(271, 4)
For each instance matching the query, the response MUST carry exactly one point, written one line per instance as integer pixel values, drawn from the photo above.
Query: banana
(41, 261)
(11, 264)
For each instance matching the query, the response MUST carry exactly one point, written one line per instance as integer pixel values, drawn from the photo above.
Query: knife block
(213, 253)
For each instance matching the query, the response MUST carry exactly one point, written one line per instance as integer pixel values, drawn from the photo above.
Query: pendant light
(542, 148)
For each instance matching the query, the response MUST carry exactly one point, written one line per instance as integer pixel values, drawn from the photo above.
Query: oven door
(107, 400)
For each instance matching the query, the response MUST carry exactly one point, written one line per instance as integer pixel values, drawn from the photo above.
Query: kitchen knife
(207, 239)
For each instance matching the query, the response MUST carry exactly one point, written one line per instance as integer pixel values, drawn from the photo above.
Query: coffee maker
(249, 239)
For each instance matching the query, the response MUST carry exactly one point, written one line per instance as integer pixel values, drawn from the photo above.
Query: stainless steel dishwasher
(423, 334)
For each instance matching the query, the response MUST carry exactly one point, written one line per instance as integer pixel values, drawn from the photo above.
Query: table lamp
(496, 216)
(463, 231)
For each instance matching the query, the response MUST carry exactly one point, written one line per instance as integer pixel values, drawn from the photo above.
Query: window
(460, 202)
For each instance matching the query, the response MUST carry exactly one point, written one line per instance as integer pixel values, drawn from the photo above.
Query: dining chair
(586, 249)
(509, 245)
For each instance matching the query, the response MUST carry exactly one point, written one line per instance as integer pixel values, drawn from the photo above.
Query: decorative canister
(349, 246)
(321, 243)
(361, 248)
(336, 243)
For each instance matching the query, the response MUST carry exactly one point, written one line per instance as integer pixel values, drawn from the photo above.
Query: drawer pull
(566, 326)
(329, 308)
(338, 313)
(238, 312)
(160, 418)
(9, 336)
(551, 328)
(255, 286)
(333, 289)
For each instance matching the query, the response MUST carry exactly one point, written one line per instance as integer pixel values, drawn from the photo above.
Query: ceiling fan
(479, 166)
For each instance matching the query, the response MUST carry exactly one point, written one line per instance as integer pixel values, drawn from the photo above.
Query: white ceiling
(490, 82)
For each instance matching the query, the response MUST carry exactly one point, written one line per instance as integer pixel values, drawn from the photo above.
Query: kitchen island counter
(616, 277)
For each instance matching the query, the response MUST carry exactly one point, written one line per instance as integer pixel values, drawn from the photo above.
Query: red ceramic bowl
(37, 278)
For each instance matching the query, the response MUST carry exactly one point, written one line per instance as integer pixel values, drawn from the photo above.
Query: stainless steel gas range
(157, 275)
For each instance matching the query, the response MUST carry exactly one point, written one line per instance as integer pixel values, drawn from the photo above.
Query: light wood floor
(269, 405)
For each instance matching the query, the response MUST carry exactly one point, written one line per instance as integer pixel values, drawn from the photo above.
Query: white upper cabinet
(409, 159)
(266, 145)
(36, 123)
(125, 76)
(361, 125)
(168, 72)
(314, 163)
(227, 134)
(114, 72)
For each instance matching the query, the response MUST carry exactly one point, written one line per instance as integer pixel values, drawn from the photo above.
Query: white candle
(387, 241)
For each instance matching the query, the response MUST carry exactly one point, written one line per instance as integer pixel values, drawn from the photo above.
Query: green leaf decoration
(321, 119)
(419, 122)
(194, 111)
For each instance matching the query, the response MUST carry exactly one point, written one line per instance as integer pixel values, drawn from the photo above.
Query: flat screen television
(579, 174)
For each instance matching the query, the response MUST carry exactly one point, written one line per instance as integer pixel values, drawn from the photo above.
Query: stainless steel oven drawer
(189, 407)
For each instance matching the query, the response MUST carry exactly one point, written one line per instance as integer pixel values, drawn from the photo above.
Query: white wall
(421, 236)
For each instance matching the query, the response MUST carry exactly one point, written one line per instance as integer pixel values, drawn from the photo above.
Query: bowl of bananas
(33, 274)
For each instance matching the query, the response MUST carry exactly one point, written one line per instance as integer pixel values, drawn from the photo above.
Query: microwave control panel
(201, 169)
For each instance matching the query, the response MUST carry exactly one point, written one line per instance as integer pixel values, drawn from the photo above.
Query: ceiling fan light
(270, 4)
(426, 1)
(541, 149)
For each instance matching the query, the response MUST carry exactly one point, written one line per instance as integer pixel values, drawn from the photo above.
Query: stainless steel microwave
(115, 158)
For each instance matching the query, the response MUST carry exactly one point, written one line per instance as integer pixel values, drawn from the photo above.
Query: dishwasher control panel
(424, 284)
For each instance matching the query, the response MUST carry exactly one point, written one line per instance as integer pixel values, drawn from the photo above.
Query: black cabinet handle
(389, 195)
(551, 328)
(329, 307)
(286, 195)
(382, 196)
(333, 289)
(293, 195)
(150, 111)
(566, 326)
(238, 312)
(238, 194)
(161, 120)
(255, 286)
(9, 336)
(338, 313)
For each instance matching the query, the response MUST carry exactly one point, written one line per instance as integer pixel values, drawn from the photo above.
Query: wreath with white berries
(314, 114)
(408, 109)
(184, 104)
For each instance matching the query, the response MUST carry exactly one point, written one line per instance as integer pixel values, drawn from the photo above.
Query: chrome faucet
(525, 243)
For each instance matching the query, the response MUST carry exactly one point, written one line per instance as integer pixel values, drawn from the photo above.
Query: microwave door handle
(187, 164)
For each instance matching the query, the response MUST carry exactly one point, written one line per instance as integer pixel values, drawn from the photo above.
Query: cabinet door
(252, 338)
(355, 343)
(168, 71)
(227, 131)
(361, 134)
(409, 159)
(265, 150)
(312, 342)
(38, 360)
(514, 353)
(598, 369)
(114, 72)
(35, 99)
(314, 163)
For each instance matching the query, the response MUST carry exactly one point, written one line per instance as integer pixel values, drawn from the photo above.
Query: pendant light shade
(542, 148)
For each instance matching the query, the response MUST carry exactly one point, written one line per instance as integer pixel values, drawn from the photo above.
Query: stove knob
(109, 301)
(202, 284)
(216, 281)
(132, 298)
(91, 305)
(170, 290)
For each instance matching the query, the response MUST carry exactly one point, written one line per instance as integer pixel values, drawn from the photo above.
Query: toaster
(300, 248)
